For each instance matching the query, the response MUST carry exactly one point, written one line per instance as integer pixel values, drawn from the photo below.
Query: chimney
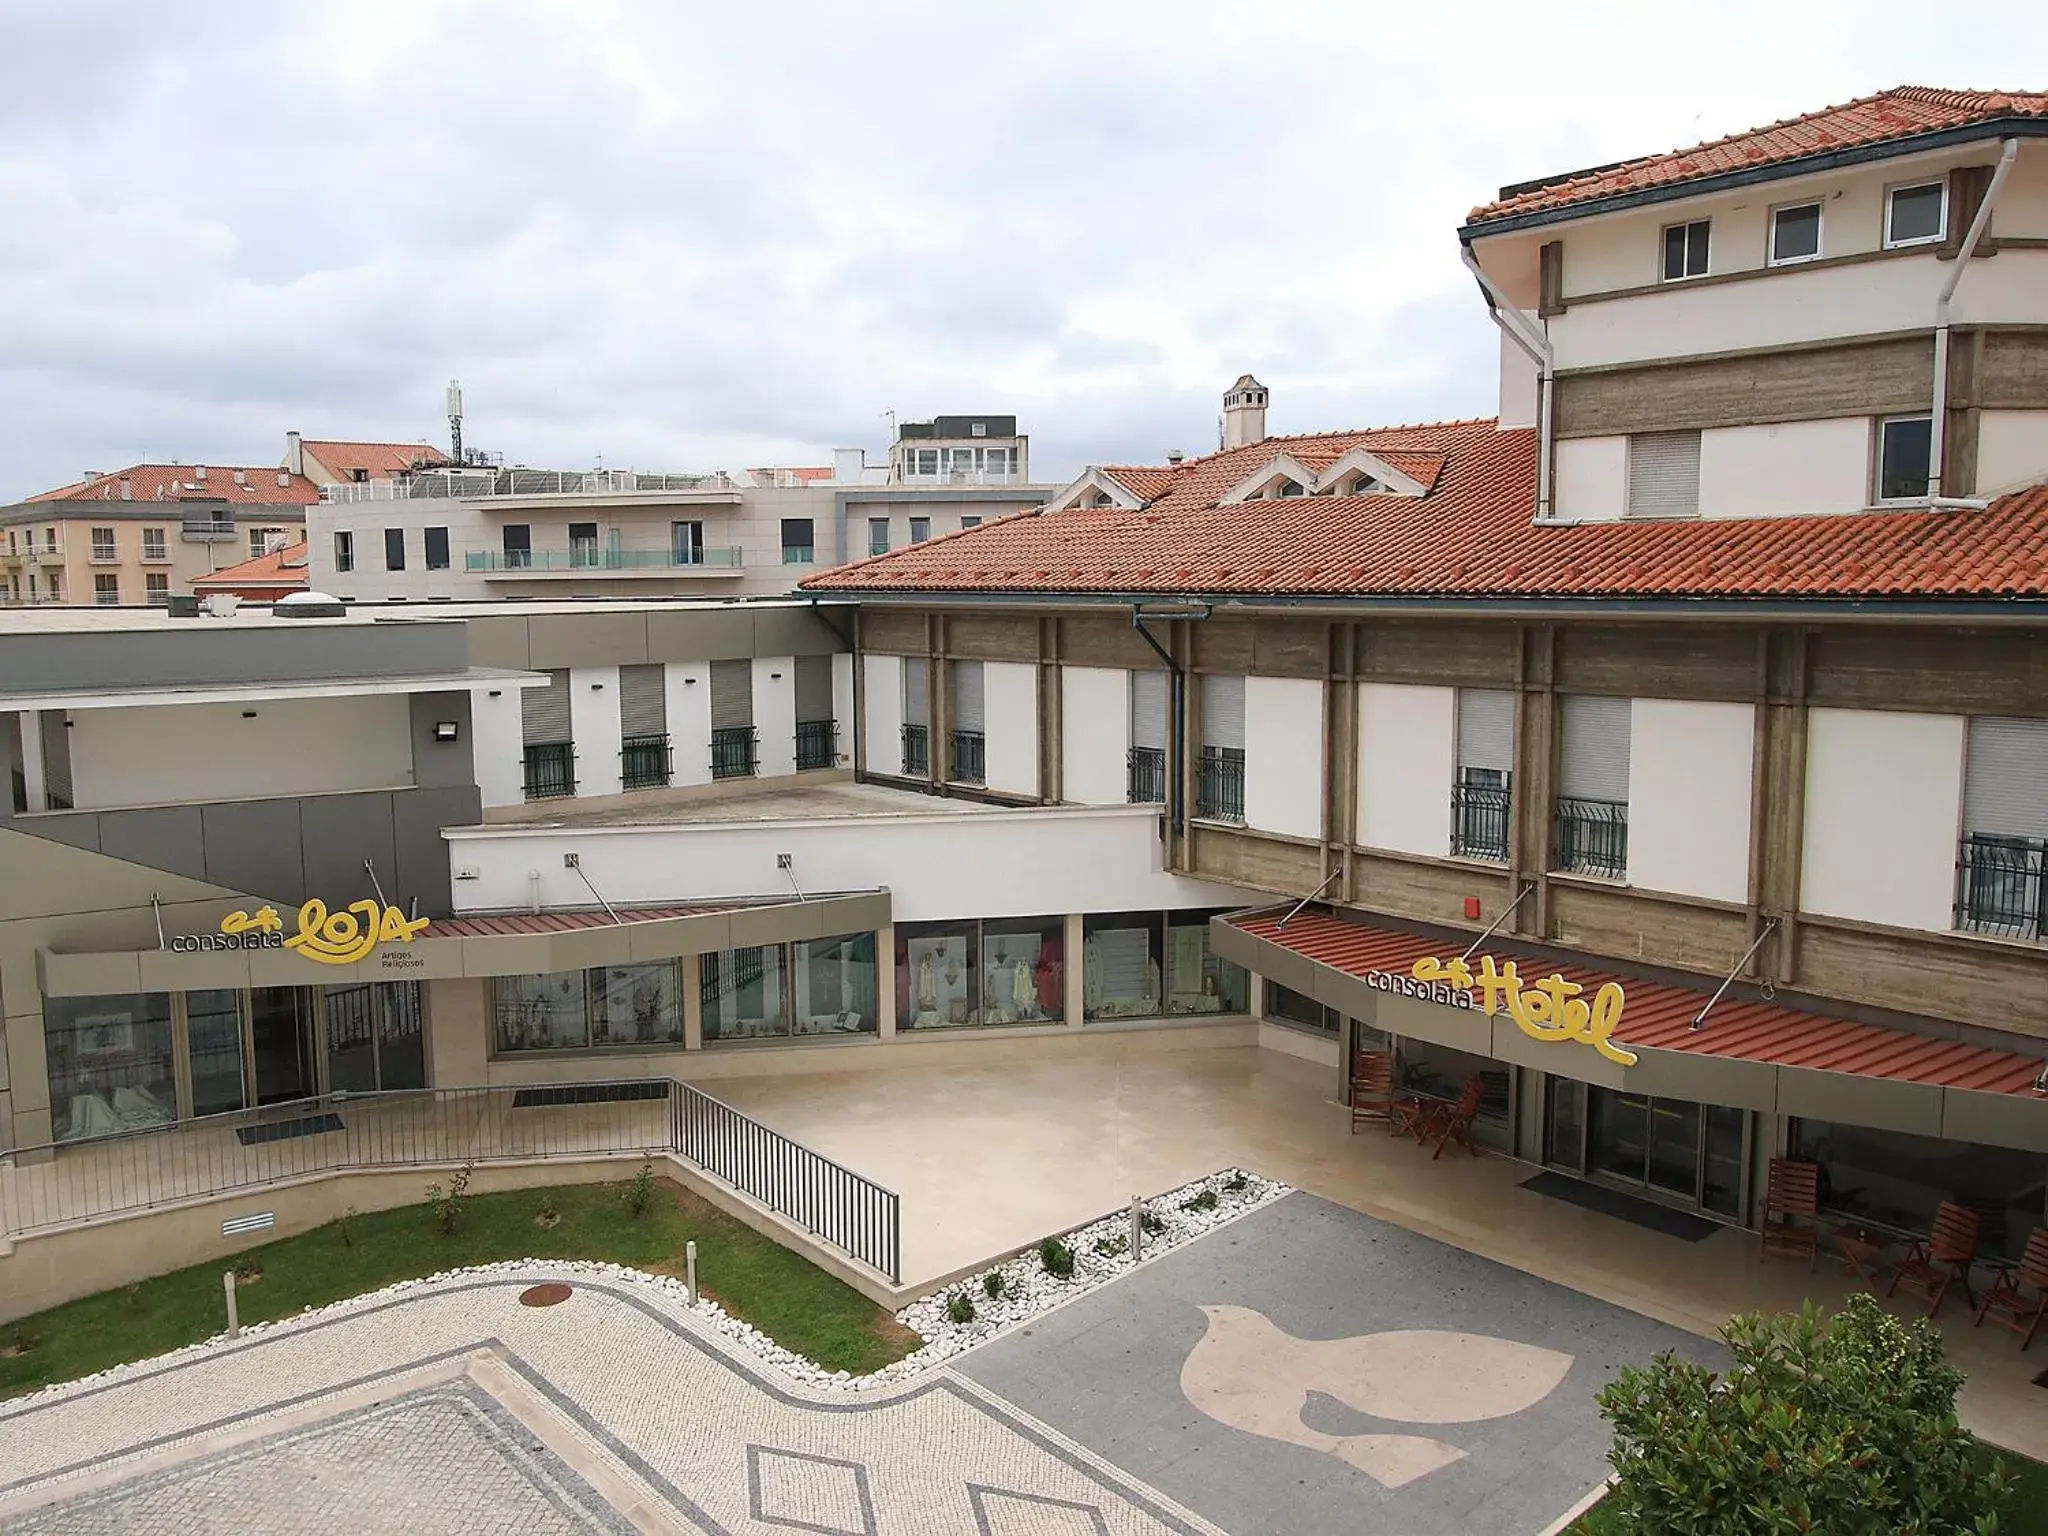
(1244, 413)
(241, 477)
(199, 473)
(127, 489)
(284, 478)
(847, 465)
(1175, 457)
(294, 454)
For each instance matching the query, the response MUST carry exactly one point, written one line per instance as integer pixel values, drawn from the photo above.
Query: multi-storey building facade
(143, 533)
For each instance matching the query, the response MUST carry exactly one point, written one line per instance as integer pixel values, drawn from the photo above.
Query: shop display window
(835, 985)
(111, 1064)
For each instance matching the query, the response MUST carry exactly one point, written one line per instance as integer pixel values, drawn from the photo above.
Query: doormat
(288, 1130)
(588, 1093)
(1612, 1202)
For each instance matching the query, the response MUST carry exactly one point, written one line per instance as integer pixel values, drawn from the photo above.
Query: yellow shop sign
(332, 938)
(1550, 1009)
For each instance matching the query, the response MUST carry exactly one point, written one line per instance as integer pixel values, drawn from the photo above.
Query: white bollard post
(690, 1270)
(1137, 1228)
(227, 1285)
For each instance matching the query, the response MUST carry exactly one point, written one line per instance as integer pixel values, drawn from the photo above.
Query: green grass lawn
(788, 1298)
(2028, 1514)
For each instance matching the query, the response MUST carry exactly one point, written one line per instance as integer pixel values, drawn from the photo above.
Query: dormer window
(1915, 215)
(1289, 488)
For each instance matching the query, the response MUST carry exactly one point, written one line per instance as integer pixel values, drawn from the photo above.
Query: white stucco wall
(882, 712)
(1517, 385)
(495, 745)
(1032, 861)
(1095, 734)
(204, 752)
(1407, 759)
(594, 727)
(686, 689)
(775, 714)
(1284, 755)
(2012, 451)
(1591, 484)
(1009, 699)
(1884, 795)
(1689, 775)
(1791, 468)
(842, 705)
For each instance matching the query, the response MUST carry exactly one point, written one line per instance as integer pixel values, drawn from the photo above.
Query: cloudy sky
(679, 235)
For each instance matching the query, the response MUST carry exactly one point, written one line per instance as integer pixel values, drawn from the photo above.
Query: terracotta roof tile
(1901, 113)
(257, 485)
(380, 460)
(1472, 535)
(280, 568)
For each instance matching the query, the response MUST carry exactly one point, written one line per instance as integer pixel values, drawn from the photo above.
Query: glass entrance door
(281, 1043)
(374, 1038)
(1692, 1153)
(213, 1039)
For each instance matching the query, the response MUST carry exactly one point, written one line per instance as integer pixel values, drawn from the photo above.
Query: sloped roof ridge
(1304, 437)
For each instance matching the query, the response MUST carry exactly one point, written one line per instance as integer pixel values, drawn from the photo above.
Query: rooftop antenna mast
(455, 418)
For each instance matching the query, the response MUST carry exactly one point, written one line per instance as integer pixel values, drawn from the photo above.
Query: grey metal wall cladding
(732, 694)
(814, 687)
(1149, 692)
(254, 846)
(1486, 728)
(421, 854)
(441, 764)
(337, 834)
(1222, 711)
(1664, 474)
(203, 650)
(170, 838)
(917, 697)
(643, 700)
(544, 712)
(967, 707)
(1594, 764)
(2005, 788)
(57, 783)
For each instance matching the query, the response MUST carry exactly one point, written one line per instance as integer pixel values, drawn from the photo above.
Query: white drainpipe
(1515, 325)
(1938, 434)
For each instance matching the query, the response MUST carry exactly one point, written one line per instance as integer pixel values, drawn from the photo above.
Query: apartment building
(447, 532)
(140, 534)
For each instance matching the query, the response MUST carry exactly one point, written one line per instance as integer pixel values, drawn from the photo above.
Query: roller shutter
(732, 694)
(1223, 711)
(1148, 709)
(1594, 764)
(967, 711)
(917, 696)
(643, 701)
(2005, 785)
(544, 712)
(814, 687)
(1664, 474)
(1486, 729)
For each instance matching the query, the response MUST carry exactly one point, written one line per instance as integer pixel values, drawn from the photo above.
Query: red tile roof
(258, 486)
(806, 475)
(504, 924)
(1471, 536)
(282, 570)
(1659, 1017)
(380, 460)
(1902, 113)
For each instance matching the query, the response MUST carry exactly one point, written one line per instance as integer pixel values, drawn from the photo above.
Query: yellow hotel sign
(1551, 1009)
(332, 938)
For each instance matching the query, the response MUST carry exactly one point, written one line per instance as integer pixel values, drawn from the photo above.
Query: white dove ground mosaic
(1301, 1368)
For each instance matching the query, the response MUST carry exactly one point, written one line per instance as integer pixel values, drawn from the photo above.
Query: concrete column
(693, 1004)
(36, 788)
(1077, 996)
(885, 982)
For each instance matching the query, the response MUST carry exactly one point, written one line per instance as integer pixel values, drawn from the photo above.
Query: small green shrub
(992, 1282)
(1846, 1427)
(446, 1201)
(247, 1270)
(1207, 1200)
(345, 1227)
(640, 1193)
(1112, 1247)
(1057, 1258)
(1152, 1224)
(1237, 1183)
(549, 1216)
(960, 1307)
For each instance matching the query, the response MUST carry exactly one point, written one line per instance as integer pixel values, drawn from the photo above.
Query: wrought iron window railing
(1219, 788)
(917, 751)
(1479, 821)
(817, 743)
(645, 762)
(1592, 837)
(1147, 776)
(550, 770)
(2000, 886)
(733, 752)
(970, 758)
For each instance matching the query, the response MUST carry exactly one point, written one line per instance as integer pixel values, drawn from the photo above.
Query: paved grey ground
(1107, 1372)
(447, 1460)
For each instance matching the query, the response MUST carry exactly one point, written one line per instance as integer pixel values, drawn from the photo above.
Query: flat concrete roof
(61, 619)
(825, 801)
(505, 607)
(240, 693)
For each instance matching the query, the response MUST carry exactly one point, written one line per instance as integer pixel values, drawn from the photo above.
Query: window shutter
(643, 701)
(1486, 729)
(967, 714)
(732, 694)
(1222, 711)
(916, 691)
(814, 687)
(1664, 474)
(1148, 709)
(1595, 758)
(544, 712)
(2005, 785)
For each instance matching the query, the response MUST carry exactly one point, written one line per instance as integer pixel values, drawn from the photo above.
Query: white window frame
(1940, 184)
(1877, 496)
(1820, 234)
(1663, 245)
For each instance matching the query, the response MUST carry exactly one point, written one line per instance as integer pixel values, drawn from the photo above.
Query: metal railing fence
(970, 758)
(1592, 837)
(1479, 822)
(917, 750)
(58, 1185)
(735, 752)
(817, 743)
(1219, 784)
(2002, 886)
(1146, 775)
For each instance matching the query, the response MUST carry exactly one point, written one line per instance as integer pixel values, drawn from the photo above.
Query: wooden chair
(1372, 1090)
(1452, 1123)
(1942, 1258)
(1791, 1221)
(2007, 1302)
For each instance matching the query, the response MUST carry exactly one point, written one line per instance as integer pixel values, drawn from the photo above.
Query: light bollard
(227, 1285)
(690, 1270)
